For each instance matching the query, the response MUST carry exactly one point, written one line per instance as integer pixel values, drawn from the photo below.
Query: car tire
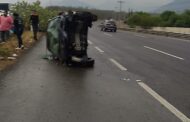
(90, 62)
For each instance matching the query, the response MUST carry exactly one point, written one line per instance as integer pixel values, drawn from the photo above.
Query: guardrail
(162, 33)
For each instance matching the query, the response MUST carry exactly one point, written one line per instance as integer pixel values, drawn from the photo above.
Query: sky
(134, 4)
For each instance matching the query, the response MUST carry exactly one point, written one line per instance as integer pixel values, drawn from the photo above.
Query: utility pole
(115, 11)
(120, 9)
(50, 3)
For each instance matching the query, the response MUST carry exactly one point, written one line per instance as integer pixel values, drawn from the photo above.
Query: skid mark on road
(90, 42)
(165, 103)
(140, 36)
(108, 34)
(164, 52)
(118, 65)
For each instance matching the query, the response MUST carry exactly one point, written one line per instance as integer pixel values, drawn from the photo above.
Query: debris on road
(14, 55)
(11, 58)
(124, 79)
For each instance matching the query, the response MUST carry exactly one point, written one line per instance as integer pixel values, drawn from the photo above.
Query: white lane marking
(108, 34)
(164, 53)
(90, 42)
(165, 103)
(100, 50)
(140, 36)
(118, 65)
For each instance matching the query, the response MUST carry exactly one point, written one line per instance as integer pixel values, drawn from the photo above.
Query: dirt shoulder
(10, 54)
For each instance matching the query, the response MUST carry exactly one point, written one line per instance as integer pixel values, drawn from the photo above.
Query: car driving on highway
(109, 25)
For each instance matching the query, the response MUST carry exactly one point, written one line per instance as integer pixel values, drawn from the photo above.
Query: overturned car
(67, 37)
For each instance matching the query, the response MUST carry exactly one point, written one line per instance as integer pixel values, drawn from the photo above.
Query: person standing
(5, 25)
(34, 20)
(18, 29)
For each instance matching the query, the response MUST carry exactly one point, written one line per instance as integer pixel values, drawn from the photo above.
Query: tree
(166, 15)
(173, 19)
(24, 9)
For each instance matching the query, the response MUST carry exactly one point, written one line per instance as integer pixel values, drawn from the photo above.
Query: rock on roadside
(11, 58)
(2, 58)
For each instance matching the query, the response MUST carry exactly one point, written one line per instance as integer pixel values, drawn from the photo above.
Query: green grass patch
(4, 52)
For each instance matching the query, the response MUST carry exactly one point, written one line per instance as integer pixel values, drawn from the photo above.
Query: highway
(136, 78)
(163, 63)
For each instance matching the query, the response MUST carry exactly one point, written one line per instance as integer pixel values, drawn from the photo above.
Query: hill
(177, 5)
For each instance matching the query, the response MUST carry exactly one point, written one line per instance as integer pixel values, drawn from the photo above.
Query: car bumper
(110, 28)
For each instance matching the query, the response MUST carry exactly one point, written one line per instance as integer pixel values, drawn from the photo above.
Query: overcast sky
(135, 4)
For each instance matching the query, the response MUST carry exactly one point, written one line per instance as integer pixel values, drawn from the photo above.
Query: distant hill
(136, 5)
(177, 5)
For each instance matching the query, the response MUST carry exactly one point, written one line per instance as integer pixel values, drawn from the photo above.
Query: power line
(120, 7)
(121, 2)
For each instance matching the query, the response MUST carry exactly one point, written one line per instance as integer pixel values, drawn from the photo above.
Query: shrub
(180, 23)
(166, 15)
(166, 19)
(144, 20)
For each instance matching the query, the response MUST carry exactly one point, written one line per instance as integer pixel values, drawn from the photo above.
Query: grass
(4, 52)
(8, 49)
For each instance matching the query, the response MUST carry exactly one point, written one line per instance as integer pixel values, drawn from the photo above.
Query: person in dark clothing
(34, 20)
(18, 29)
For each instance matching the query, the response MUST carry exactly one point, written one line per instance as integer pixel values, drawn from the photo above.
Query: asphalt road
(130, 82)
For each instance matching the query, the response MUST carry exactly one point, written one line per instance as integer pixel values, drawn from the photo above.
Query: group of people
(15, 24)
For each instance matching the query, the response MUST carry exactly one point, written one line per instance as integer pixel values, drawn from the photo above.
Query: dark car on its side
(67, 38)
(109, 25)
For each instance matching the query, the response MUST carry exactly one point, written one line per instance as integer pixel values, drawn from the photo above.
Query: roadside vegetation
(24, 9)
(165, 19)
(7, 50)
